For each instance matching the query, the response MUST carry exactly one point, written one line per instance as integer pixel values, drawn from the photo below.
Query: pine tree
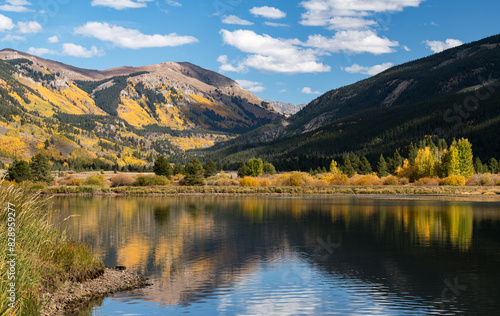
(395, 162)
(162, 167)
(465, 157)
(355, 162)
(242, 170)
(493, 166)
(178, 169)
(19, 171)
(381, 167)
(41, 170)
(412, 153)
(194, 173)
(347, 168)
(365, 166)
(478, 166)
(255, 167)
(210, 169)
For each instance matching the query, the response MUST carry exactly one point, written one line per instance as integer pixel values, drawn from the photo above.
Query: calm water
(294, 256)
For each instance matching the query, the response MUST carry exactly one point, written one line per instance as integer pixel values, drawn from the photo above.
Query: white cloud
(438, 46)
(233, 19)
(70, 49)
(173, 3)
(131, 38)
(53, 39)
(29, 27)
(120, 4)
(270, 54)
(251, 86)
(16, 6)
(276, 24)
(357, 69)
(353, 42)
(268, 12)
(41, 51)
(12, 38)
(406, 48)
(308, 90)
(342, 14)
(283, 91)
(5, 23)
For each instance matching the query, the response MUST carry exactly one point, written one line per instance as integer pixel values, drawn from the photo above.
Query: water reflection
(295, 255)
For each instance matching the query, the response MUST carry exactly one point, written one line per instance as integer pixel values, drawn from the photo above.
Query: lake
(293, 256)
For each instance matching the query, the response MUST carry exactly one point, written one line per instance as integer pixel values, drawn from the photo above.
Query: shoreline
(74, 297)
(467, 192)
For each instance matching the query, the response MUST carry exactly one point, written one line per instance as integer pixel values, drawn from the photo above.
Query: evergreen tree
(442, 145)
(178, 169)
(494, 166)
(365, 167)
(19, 171)
(269, 168)
(242, 170)
(412, 153)
(395, 162)
(41, 170)
(355, 162)
(255, 167)
(465, 157)
(162, 167)
(194, 173)
(347, 168)
(478, 166)
(381, 167)
(210, 169)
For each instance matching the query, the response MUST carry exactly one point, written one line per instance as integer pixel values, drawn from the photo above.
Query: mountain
(176, 95)
(285, 108)
(455, 93)
(121, 116)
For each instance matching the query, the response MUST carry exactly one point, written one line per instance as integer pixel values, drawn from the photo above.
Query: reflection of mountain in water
(191, 246)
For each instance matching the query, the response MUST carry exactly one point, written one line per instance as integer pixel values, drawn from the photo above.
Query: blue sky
(282, 50)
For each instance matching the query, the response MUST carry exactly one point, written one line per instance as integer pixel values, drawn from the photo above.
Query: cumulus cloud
(131, 38)
(6, 23)
(438, 46)
(353, 42)
(53, 39)
(120, 4)
(16, 6)
(270, 54)
(233, 19)
(268, 12)
(308, 90)
(70, 49)
(29, 27)
(341, 14)
(357, 69)
(12, 38)
(251, 86)
(41, 51)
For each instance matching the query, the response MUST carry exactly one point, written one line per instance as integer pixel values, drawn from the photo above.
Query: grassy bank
(44, 257)
(287, 190)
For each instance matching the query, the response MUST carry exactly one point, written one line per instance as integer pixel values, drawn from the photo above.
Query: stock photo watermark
(460, 112)
(324, 249)
(450, 293)
(11, 255)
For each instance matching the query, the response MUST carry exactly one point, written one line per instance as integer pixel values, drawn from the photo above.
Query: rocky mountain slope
(285, 108)
(453, 94)
(176, 95)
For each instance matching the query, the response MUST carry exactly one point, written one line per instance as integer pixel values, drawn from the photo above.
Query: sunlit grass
(45, 257)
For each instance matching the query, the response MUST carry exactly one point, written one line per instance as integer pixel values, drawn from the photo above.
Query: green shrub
(149, 180)
(98, 180)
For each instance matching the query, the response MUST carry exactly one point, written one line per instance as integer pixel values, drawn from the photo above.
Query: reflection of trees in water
(192, 244)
